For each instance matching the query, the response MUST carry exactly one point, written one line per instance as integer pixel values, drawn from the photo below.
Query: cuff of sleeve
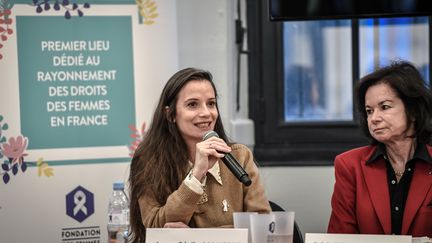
(194, 184)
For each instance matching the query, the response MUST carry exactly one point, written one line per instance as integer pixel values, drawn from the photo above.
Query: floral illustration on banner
(43, 168)
(12, 153)
(147, 10)
(67, 5)
(5, 23)
(138, 136)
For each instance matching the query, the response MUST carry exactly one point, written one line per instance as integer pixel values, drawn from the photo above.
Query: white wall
(305, 190)
(207, 40)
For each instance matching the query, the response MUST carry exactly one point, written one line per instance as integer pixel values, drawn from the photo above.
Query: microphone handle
(236, 169)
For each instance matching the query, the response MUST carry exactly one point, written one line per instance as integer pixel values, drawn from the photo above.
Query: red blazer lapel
(375, 175)
(419, 187)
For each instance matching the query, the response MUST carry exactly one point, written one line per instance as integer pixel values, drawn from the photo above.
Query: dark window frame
(278, 143)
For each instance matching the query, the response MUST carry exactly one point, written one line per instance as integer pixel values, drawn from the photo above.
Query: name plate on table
(196, 235)
(356, 238)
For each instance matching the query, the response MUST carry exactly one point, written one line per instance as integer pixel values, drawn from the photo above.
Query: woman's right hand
(207, 154)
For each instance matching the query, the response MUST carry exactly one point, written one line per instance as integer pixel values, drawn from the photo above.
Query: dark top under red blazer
(361, 199)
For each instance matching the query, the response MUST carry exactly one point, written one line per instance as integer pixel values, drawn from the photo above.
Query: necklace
(399, 173)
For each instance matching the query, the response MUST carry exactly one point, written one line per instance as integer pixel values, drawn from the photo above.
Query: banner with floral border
(79, 82)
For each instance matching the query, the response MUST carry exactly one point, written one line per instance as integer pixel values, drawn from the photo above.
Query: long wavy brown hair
(160, 162)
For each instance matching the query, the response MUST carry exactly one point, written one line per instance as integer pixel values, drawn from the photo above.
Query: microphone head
(209, 134)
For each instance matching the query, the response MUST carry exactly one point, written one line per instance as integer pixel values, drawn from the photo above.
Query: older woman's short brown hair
(410, 87)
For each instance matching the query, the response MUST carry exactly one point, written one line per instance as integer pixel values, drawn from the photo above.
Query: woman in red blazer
(386, 187)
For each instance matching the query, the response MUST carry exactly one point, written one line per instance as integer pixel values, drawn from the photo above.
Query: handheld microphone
(231, 162)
